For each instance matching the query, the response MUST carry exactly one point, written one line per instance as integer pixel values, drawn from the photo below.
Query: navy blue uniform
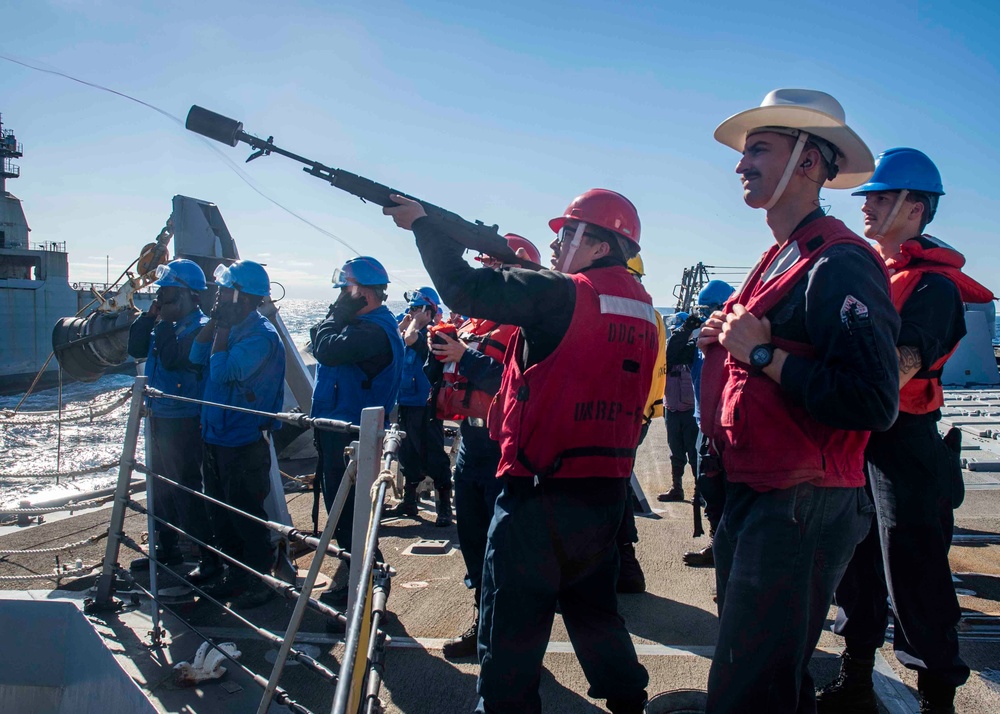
(175, 448)
(910, 472)
(360, 360)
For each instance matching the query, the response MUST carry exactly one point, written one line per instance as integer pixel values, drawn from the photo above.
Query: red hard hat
(604, 208)
(515, 241)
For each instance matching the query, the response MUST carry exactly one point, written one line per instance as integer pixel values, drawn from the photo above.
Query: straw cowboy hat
(811, 111)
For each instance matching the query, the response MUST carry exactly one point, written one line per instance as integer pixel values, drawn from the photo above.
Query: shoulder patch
(853, 308)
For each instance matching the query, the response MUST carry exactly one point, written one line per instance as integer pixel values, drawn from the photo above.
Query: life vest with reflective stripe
(578, 413)
(458, 397)
(918, 257)
(764, 439)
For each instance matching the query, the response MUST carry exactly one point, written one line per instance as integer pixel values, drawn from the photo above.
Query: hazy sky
(501, 112)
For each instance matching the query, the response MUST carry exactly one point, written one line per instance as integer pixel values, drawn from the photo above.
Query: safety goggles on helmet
(340, 278)
(168, 278)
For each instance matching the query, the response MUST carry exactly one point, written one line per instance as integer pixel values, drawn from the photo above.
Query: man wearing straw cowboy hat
(799, 366)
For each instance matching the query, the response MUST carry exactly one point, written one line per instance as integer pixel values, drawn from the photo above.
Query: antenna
(10, 148)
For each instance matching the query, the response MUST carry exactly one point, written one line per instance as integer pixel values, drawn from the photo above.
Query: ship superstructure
(34, 283)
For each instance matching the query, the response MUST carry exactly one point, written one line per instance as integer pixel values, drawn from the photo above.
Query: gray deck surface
(673, 623)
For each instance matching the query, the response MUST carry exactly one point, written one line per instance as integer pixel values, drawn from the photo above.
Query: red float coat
(457, 398)
(578, 412)
(765, 439)
(923, 393)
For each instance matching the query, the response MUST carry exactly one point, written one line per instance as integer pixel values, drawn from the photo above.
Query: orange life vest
(917, 257)
(458, 397)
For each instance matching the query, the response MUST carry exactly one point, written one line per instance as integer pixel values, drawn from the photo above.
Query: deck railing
(359, 677)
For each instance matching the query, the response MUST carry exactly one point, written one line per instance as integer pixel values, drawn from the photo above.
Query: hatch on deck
(52, 661)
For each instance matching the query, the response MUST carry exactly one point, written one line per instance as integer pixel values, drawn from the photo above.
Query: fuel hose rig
(86, 346)
(474, 235)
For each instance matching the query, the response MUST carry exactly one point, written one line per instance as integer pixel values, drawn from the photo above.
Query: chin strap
(573, 245)
(891, 218)
(793, 161)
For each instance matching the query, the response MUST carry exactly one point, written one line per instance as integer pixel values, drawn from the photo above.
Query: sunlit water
(31, 449)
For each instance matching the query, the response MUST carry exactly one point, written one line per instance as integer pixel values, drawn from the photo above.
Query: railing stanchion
(104, 597)
(369, 457)
(310, 580)
(154, 587)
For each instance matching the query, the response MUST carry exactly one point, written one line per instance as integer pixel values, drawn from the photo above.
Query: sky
(501, 112)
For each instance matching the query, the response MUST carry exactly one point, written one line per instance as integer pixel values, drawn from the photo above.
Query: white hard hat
(816, 113)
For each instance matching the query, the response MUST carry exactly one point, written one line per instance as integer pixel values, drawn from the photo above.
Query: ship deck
(673, 624)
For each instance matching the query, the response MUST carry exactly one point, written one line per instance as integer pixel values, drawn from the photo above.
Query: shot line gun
(475, 236)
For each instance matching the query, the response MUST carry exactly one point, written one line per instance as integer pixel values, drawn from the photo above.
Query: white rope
(52, 474)
(53, 509)
(12, 418)
(76, 572)
(58, 549)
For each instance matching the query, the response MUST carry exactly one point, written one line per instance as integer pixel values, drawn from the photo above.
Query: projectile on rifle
(475, 236)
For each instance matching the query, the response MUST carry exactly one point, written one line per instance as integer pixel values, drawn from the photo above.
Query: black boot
(936, 697)
(852, 691)
(465, 645)
(164, 556)
(676, 493)
(406, 507)
(209, 566)
(630, 576)
(704, 558)
(445, 517)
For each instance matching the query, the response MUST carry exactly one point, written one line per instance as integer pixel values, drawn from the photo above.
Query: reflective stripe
(615, 305)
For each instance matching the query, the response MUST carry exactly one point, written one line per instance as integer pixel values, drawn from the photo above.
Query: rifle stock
(474, 235)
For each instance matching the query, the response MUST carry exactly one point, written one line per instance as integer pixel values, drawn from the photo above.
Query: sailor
(566, 453)
(913, 474)
(682, 428)
(682, 349)
(799, 367)
(246, 368)
(360, 356)
(163, 336)
(422, 451)
(472, 367)
(631, 579)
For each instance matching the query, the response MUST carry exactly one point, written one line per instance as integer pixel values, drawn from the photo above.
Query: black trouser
(240, 476)
(555, 542)
(175, 451)
(332, 465)
(682, 438)
(905, 556)
(779, 555)
(422, 451)
(476, 491)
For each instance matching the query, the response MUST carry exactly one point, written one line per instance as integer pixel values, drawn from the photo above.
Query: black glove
(693, 322)
(346, 307)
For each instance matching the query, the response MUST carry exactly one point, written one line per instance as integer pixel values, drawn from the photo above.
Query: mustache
(750, 175)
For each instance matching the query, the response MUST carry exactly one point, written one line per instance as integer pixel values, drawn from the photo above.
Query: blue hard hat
(679, 318)
(244, 275)
(902, 168)
(425, 296)
(715, 293)
(181, 273)
(362, 271)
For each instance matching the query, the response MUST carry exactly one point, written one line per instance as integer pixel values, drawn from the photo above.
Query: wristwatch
(761, 356)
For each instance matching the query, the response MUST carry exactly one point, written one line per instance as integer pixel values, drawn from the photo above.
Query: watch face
(760, 357)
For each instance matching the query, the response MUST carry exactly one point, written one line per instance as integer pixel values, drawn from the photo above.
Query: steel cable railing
(369, 580)
(346, 693)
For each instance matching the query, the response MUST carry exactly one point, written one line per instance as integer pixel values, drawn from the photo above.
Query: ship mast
(10, 148)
